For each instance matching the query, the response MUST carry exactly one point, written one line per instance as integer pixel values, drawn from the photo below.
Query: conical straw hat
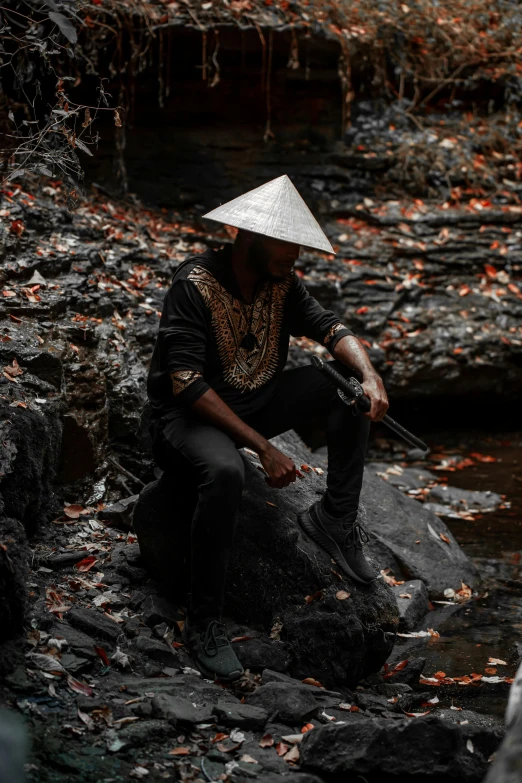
(276, 210)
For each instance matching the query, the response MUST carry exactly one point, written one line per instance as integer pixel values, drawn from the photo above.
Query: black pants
(213, 460)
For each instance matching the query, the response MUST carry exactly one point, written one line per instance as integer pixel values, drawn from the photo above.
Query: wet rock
(412, 609)
(371, 702)
(296, 777)
(157, 651)
(463, 499)
(64, 560)
(273, 568)
(244, 716)
(176, 709)
(396, 523)
(141, 733)
(411, 672)
(193, 689)
(95, 623)
(14, 568)
(119, 514)
(267, 758)
(284, 701)
(323, 697)
(414, 748)
(390, 689)
(402, 478)
(157, 609)
(260, 653)
(76, 640)
(30, 445)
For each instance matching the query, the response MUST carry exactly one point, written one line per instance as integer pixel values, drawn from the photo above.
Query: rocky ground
(98, 667)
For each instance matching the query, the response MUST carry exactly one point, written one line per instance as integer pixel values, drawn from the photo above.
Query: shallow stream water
(488, 625)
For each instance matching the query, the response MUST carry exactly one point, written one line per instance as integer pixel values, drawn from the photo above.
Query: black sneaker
(208, 642)
(340, 539)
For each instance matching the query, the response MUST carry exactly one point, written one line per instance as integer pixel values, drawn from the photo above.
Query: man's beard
(258, 259)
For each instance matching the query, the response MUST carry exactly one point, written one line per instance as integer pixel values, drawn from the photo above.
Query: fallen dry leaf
(281, 748)
(444, 538)
(79, 687)
(292, 756)
(179, 752)
(266, 741)
(13, 369)
(342, 595)
(86, 564)
(311, 681)
(74, 511)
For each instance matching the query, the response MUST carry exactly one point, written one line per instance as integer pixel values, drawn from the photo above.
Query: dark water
(487, 626)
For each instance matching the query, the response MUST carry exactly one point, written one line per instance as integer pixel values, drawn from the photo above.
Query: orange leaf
(281, 748)
(444, 538)
(179, 752)
(397, 668)
(86, 564)
(311, 681)
(266, 741)
(74, 511)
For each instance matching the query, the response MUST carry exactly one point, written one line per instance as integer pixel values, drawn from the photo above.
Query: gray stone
(76, 640)
(64, 560)
(259, 653)
(291, 704)
(156, 609)
(176, 709)
(119, 515)
(464, 499)
(411, 672)
(391, 689)
(411, 610)
(94, 623)
(142, 732)
(158, 651)
(425, 748)
(273, 567)
(194, 689)
(244, 716)
(396, 523)
(296, 777)
(323, 697)
(371, 702)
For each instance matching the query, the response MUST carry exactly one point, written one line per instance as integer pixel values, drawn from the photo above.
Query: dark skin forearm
(280, 468)
(351, 352)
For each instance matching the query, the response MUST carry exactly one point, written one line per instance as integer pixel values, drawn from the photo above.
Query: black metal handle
(352, 388)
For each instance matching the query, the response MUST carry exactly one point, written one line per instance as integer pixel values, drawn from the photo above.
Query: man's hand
(280, 468)
(375, 391)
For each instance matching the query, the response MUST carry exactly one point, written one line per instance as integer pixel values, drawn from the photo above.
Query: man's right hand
(280, 468)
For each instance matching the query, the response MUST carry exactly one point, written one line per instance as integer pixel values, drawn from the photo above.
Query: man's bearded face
(273, 259)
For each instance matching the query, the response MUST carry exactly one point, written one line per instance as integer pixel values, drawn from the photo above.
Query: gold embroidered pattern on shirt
(183, 378)
(232, 319)
(332, 332)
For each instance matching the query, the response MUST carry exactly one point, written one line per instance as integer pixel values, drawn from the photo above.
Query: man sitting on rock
(216, 384)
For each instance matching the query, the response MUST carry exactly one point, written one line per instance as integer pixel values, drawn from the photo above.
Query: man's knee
(227, 474)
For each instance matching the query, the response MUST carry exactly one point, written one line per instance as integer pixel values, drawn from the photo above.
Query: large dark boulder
(407, 537)
(14, 567)
(28, 462)
(415, 749)
(276, 573)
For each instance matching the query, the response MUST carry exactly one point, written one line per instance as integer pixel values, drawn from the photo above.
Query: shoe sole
(209, 675)
(328, 544)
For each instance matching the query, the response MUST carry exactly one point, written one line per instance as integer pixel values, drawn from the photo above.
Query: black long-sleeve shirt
(204, 322)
